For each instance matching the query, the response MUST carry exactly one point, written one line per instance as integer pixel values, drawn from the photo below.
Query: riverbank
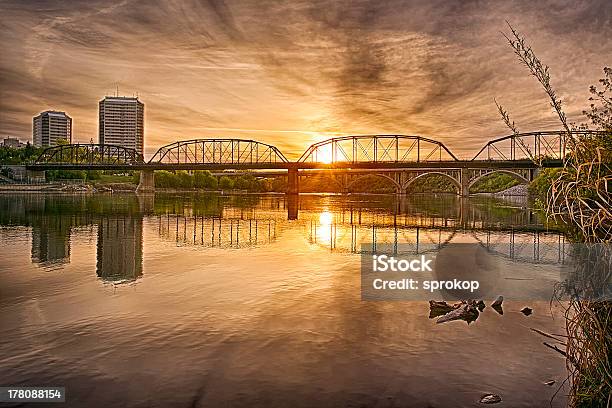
(65, 188)
(520, 190)
(515, 192)
(110, 188)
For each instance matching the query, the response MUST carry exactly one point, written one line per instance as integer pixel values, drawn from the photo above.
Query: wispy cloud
(294, 72)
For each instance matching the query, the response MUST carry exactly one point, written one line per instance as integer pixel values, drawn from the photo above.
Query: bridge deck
(459, 164)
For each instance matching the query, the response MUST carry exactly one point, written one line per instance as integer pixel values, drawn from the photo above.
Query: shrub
(93, 174)
(66, 175)
(247, 182)
(226, 183)
(211, 182)
(165, 179)
(204, 179)
(279, 184)
(540, 185)
(184, 179)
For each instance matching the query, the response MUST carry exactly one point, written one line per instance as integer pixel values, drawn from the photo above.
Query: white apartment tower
(49, 127)
(122, 122)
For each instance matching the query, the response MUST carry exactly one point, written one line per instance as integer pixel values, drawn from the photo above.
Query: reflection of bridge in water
(217, 232)
(339, 224)
(357, 232)
(533, 247)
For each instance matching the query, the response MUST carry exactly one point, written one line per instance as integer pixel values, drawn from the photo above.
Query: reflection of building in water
(51, 241)
(119, 252)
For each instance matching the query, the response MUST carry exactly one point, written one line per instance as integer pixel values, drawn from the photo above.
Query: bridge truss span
(218, 151)
(535, 146)
(89, 154)
(377, 149)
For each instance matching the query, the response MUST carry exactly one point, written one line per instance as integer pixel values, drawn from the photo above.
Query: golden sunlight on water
(206, 300)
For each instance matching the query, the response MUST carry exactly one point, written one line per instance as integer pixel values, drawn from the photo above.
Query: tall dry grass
(580, 197)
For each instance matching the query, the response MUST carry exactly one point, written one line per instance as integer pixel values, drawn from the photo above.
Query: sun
(324, 154)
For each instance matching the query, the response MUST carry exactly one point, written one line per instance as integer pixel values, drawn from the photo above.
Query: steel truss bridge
(400, 159)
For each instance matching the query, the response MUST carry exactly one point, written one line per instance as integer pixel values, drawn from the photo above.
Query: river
(254, 300)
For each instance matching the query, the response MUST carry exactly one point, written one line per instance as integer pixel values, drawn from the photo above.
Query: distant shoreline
(124, 188)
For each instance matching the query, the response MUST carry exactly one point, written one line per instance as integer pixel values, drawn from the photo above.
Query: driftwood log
(465, 310)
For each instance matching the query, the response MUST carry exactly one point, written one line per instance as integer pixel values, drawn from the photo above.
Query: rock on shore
(518, 190)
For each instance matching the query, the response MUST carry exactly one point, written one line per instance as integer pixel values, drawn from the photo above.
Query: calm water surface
(206, 300)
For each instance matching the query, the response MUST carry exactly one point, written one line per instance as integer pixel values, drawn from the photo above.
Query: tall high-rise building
(122, 122)
(49, 127)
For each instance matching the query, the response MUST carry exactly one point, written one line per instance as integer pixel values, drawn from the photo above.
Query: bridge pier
(464, 180)
(147, 182)
(293, 181)
(35, 176)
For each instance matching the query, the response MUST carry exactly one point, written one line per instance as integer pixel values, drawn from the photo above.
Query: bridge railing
(89, 154)
(218, 151)
(377, 149)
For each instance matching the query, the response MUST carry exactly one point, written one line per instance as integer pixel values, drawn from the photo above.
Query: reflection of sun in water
(324, 232)
(325, 218)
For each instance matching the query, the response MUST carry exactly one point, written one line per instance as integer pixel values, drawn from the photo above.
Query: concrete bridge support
(35, 176)
(293, 181)
(464, 179)
(147, 182)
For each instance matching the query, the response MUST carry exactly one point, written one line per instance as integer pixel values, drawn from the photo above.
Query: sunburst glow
(324, 154)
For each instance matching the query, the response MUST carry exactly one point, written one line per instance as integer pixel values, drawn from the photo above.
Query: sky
(296, 72)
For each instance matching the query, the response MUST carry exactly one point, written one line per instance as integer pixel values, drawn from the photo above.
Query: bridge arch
(455, 182)
(218, 151)
(377, 149)
(521, 179)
